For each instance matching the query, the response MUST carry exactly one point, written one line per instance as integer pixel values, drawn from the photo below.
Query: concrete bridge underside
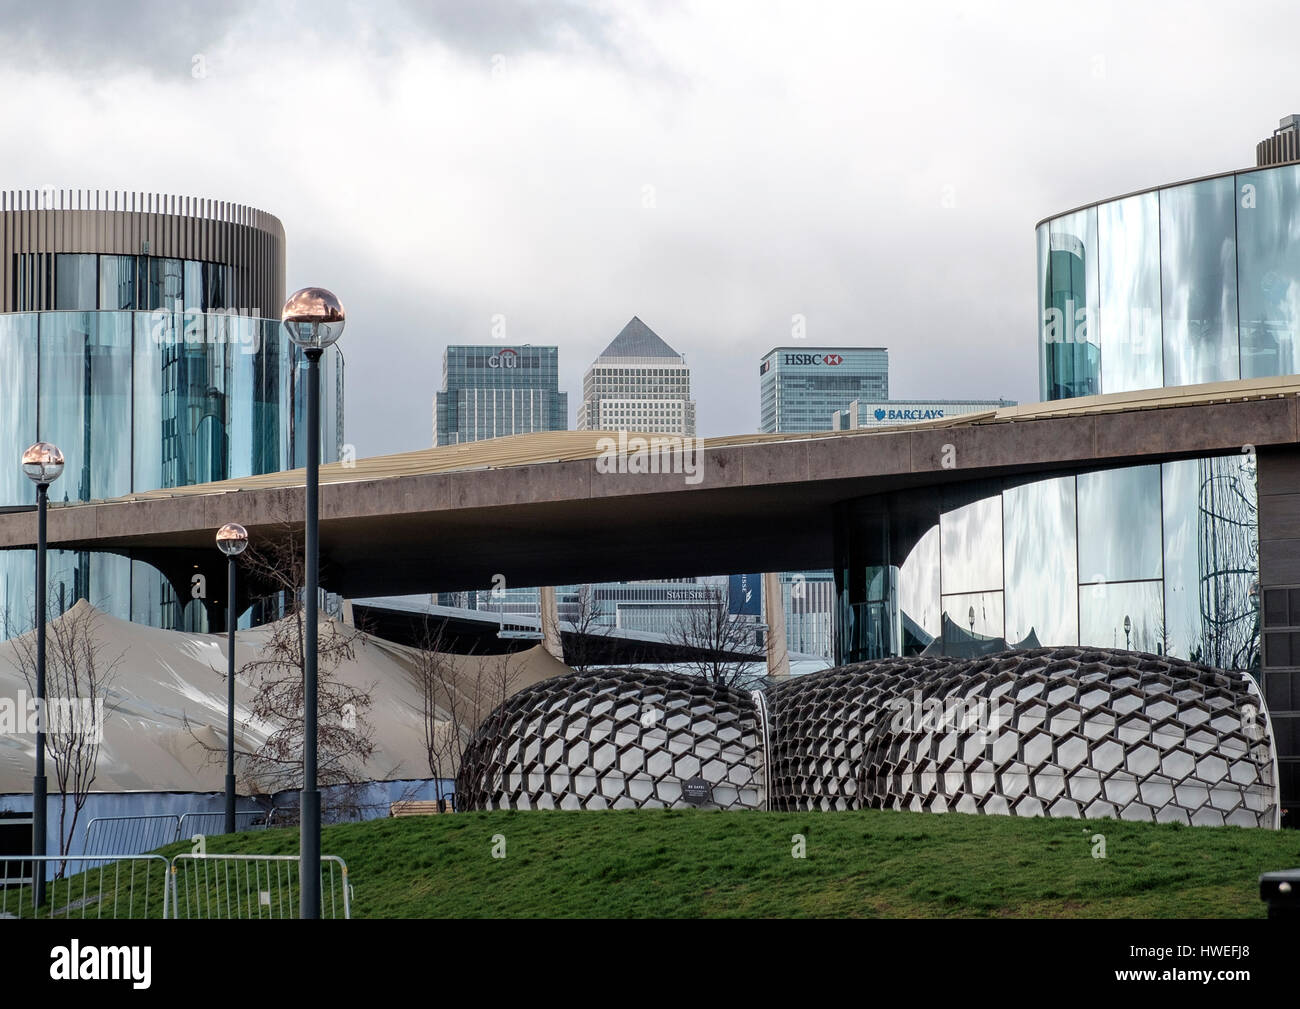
(542, 509)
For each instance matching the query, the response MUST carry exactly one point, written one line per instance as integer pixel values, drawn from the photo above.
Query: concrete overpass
(542, 509)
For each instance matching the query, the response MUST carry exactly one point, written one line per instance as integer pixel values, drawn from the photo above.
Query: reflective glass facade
(1158, 558)
(139, 401)
(1198, 282)
(802, 388)
(89, 281)
(493, 391)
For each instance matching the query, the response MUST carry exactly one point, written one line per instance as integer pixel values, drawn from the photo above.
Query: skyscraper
(490, 391)
(800, 387)
(638, 383)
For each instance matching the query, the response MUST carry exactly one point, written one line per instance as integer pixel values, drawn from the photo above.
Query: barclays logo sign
(905, 414)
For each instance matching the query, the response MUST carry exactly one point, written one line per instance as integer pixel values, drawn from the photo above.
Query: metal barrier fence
(136, 835)
(253, 886)
(133, 835)
(215, 823)
(187, 886)
(128, 886)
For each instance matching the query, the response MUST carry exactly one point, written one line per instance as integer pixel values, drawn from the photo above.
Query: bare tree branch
(716, 641)
(79, 677)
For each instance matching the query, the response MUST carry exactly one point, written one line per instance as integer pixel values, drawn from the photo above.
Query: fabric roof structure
(164, 726)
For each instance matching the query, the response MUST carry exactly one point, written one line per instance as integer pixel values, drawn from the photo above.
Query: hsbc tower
(801, 387)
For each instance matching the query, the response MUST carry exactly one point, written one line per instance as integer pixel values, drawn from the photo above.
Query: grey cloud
(160, 36)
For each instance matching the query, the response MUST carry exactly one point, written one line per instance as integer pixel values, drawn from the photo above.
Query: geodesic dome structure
(1074, 732)
(616, 739)
(1069, 732)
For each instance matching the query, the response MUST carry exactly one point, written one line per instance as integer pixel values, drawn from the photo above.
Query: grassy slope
(694, 863)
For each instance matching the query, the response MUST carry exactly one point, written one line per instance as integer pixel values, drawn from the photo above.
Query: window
(117, 282)
(75, 282)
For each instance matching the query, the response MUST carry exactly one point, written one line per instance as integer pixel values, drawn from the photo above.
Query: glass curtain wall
(1070, 360)
(1157, 558)
(139, 401)
(1182, 285)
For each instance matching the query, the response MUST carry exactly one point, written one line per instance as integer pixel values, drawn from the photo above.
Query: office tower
(800, 387)
(492, 391)
(638, 383)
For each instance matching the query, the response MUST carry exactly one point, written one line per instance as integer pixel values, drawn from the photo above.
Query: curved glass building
(140, 334)
(1178, 285)
(1183, 284)
(1157, 558)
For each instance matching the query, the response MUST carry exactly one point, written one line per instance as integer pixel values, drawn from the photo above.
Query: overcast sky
(715, 168)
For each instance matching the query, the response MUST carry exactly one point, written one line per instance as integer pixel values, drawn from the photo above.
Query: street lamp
(232, 538)
(42, 463)
(314, 319)
(1128, 626)
(970, 615)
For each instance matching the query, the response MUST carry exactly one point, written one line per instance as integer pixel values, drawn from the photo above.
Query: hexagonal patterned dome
(1047, 731)
(615, 739)
(1073, 732)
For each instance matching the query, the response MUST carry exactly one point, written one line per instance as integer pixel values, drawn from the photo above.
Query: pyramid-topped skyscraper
(638, 383)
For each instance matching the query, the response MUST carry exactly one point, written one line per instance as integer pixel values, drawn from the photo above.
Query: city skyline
(559, 168)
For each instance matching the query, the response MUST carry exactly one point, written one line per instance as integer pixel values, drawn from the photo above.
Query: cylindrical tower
(140, 334)
(228, 243)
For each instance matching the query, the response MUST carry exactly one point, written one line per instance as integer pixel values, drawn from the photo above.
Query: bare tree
(455, 703)
(441, 705)
(79, 674)
(717, 644)
(344, 734)
(582, 649)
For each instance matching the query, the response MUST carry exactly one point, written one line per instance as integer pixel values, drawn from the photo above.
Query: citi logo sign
(506, 359)
(831, 359)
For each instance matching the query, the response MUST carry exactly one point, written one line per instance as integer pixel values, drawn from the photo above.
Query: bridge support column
(1279, 605)
(551, 640)
(778, 656)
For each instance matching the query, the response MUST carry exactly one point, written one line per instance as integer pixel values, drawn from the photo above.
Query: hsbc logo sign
(828, 359)
(506, 359)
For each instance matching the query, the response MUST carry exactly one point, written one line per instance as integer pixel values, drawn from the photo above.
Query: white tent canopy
(165, 724)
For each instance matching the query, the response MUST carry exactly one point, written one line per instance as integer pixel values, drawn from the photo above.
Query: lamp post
(314, 319)
(232, 538)
(1128, 626)
(42, 463)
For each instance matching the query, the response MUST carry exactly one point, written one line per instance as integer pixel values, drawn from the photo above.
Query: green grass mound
(687, 863)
